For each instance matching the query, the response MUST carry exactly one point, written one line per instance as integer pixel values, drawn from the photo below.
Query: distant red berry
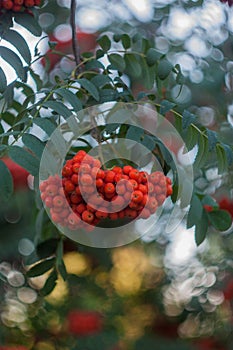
(84, 323)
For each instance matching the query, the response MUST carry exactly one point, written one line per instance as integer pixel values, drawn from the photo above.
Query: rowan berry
(143, 177)
(134, 174)
(96, 163)
(48, 202)
(29, 3)
(143, 188)
(90, 208)
(150, 187)
(74, 179)
(130, 213)
(75, 198)
(69, 186)
(127, 169)
(81, 208)
(131, 185)
(152, 204)
(127, 196)
(7, 4)
(113, 216)
(85, 168)
(101, 213)
(43, 185)
(51, 190)
(87, 189)
(120, 188)
(160, 198)
(73, 219)
(43, 196)
(118, 202)
(18, 2)
(137, 196)
(86, 179)
(169, 190)
(100, 174)
(87, 216)
(17, 8)
(109, 176)
(79, 156)
(58, 201)
(145, 213)
(158, 189)
(37, 2)
(95, 199)
(55, 217)
(109, 188)
(117, 170)
(121, 214)
(76, 167)
(67, 171)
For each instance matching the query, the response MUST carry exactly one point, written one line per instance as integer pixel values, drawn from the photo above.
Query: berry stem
(75, 44)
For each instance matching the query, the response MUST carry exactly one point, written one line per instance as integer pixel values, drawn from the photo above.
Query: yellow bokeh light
(77, 264)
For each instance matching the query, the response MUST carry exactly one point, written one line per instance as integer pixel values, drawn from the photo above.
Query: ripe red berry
(96, 163)
(145, 214)
(86, 179)
(137, 196)
(29, 3)
(101, 213)
(17, 8)
(75, 198)
(160, 198)
(7, 4)
(74, 179)
(169, 190)
(73, 219)
(109, 188)
(131, 185)
(127, 169)
(118, 202)
(58, 201)
(113, 216)
(109, 176)
(120, 188)
(51, 190)
(143, 188)
(143, 177)
(117, 170)
(130, 213)
(87, 216)
(18, 2)
(95, 200)
(99, 183)
(69, 186)
(76, 167)
(85, 168)
(79, 156)
(152, 205)
(48, 202)
(67, 171)
(84, 323)
(134, 174)
(37, 2)
(80, 208)
(158, 189)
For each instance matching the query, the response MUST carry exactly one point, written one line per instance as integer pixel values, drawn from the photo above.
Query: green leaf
(60, 263)
(195, 211)
(229, 153)
(187, 119)
(100, 80)
(46, 125)
(19, 43)
(99, 53)
(70, 97)
(6, 183)
(25, 159)
(50, 284)
(14, 61)
(58, 107)
(221, 158)
(152, 56)
(34, 144)
(41, 267)
(104, 42)
(86, 84)
(117, 62)
(134, 133)
(29, 22)
(147, 75)
(212, 139)
(36, 79)
(133, 66)
(3, 81)
(201, 228)
(166, 106)
(47, 248)
(164, 69)
(203, 152)
(220, 219)
(208, 200)
(191, 138)
(126, 41)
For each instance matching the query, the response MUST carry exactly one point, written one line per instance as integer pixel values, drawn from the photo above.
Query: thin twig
(75, 44)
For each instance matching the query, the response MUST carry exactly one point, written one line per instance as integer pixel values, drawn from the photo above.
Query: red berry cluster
(18, 5)
(87, 194)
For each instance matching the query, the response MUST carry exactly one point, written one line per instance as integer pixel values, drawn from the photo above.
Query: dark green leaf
(6, 183)
(201, 228)
(208, 200)
(133, 66)
(134, 133)
(19, 43)
(34, 144)
(47, 248)
(41, 267)
(221, 158)
(126, 41)
(14, 61)
(203, 152)
(164, 69)
(99, 53)
(220, 219)
(58, 107)
(46, 125)
(100, 80)
(9, 94)
(104, 42)
(147, 75)
(36, 79)
(29, 22)
(117, 62)
(86, 84)
(212, 139)
(3, 81)
(50, 284)
(152, 56)
(25, 159)
(70, 97)
(166, 106)
(229, 153)
(195, 211)
(187, 119)
(60, 263)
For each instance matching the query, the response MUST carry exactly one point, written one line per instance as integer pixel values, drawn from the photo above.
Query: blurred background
(161, 291)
